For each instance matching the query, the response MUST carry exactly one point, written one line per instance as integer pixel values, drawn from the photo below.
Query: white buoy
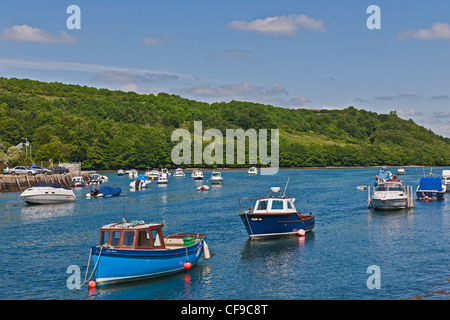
(206, 250)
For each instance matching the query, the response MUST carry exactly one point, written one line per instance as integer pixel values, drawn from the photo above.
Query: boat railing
(246, 205)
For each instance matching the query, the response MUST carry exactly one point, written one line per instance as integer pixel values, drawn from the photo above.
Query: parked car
(60, 169)
(23, 170)
(41, 170)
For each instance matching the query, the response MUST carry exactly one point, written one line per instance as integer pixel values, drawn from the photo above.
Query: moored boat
(203, 188)
(179, 173)
(132, 174)
(78, 182)
(162, 179)
(382, 176)
(138, 250)
(140, 183)
(274, 215)
(216, 177)
(430, 188)
(252, 170)
(48, 193)
(446, 179)
(390, 195)
(104, 191)
(153, 174)
(120, 172)
(197, 175)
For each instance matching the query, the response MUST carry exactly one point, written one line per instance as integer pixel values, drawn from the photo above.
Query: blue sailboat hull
(266, 225)
(123, 265)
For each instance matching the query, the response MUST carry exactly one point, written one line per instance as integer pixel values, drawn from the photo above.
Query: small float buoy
(301, 232)
(92, 284)
(187, 265)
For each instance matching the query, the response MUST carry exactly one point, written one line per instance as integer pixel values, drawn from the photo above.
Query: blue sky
(308, 54)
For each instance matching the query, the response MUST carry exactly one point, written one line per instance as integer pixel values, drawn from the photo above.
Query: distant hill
(107, 129)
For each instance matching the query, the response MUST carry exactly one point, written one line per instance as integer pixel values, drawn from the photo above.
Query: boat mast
(123, 207)
(284, 192)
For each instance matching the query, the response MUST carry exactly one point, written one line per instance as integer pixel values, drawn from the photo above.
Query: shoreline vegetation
(287, 168)
(106, 129)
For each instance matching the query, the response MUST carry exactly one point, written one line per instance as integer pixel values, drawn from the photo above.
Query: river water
(410, 248)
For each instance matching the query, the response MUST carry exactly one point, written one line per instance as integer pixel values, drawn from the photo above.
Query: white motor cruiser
(47, 193)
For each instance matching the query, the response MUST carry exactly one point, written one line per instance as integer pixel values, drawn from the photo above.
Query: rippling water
(411, 247)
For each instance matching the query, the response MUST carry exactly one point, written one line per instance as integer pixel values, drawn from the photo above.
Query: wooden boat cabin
(143, 236)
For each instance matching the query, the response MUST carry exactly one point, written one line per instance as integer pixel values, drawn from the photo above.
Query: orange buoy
(301, 232)
(92, 284)
(187, 265)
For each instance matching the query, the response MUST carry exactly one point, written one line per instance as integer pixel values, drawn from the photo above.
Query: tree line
(106, 129)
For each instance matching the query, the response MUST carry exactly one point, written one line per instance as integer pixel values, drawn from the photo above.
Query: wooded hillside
(107, 129)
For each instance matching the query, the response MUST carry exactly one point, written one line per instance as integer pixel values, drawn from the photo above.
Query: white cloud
(408, 113)
(114, 76)
(443, 130)
(279, 25)
(153, 39)
(26, 33)
(437, 31)
(237, 90)
(93, 68)
(408, 96)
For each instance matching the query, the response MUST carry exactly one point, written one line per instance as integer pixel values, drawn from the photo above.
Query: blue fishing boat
(274, 215)
(430, 188)
(138, 250)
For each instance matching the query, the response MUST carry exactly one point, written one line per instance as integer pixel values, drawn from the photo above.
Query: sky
(292, 54)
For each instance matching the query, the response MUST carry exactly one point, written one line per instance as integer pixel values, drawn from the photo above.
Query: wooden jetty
(14, 183)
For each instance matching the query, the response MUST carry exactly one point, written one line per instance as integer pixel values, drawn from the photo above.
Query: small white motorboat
(446, 179)
(78, 182)
(133, 174)
(203, 188)
(120, 172)
(166, 171)
(47, 193)
(152, 175)
(216, 177)
(252, 170)
(140, 183)
(197, 175)
(162, 179)
(179, 173)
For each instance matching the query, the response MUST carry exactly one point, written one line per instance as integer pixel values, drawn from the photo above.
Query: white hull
(46, 195)
(389, 203)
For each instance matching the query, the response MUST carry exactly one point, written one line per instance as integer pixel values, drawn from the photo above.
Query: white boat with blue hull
(274, 215)
(138, 251)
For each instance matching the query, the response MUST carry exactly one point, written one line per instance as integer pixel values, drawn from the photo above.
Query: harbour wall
(14, 183)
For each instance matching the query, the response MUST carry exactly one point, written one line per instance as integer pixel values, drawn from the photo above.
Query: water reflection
(45, 211)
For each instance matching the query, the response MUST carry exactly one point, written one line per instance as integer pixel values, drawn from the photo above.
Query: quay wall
(14, 183)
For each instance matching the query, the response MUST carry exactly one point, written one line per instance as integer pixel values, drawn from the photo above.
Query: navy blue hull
(265, 225)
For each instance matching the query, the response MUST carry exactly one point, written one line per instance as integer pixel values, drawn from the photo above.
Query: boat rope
(87, 268)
